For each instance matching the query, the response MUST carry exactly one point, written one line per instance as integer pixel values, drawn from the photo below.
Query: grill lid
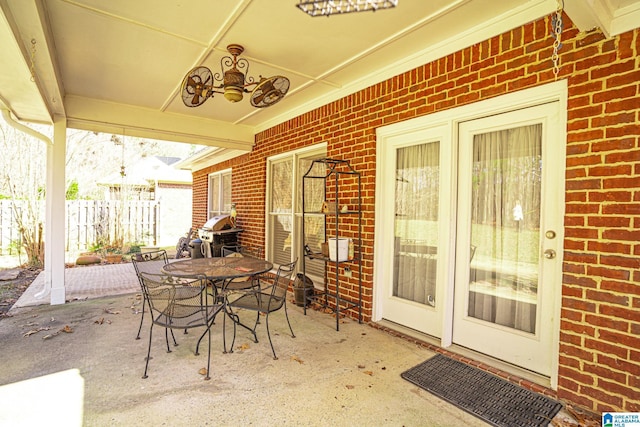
(218, 223)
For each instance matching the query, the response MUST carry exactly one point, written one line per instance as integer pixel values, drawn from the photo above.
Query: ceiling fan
(200, 83)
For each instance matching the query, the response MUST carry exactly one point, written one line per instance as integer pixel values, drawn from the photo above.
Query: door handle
(549, 254)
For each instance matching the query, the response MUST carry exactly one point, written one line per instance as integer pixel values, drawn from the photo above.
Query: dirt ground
(11, 290)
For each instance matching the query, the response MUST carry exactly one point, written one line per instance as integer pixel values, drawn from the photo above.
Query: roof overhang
(208, 157)
(114, 67)
(613, 17)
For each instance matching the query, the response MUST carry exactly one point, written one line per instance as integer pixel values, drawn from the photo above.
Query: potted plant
(112, 254)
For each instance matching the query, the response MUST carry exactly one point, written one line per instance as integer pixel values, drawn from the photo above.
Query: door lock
(549, 254)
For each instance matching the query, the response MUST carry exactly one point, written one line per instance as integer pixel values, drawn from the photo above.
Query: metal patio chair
(179, 303)
(244, 282)
(244, 250)
(148, 262)
(269, 297)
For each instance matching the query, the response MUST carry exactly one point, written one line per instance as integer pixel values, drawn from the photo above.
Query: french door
(413, 190)
(510, 217)
(469, 223)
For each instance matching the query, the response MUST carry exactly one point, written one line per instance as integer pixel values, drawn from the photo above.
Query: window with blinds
(219, 198)
(284, 212)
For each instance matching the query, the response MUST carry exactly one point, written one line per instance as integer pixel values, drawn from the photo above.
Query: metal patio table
(220, 271)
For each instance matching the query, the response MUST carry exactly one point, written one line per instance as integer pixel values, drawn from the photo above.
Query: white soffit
(613, 17)
(18, 92)
(496, 25)
(208, 157)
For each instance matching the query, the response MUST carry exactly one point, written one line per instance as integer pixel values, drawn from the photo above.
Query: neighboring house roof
(149, 170)
(208, 156)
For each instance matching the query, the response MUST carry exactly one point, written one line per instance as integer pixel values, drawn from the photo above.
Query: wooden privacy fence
(89, 222)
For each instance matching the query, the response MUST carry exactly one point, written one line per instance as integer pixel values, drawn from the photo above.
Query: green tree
(72, 191)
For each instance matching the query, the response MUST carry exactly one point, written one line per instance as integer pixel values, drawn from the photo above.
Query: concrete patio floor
(91, 374)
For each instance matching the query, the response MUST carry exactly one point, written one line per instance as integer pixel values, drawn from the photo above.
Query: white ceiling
(117, 65)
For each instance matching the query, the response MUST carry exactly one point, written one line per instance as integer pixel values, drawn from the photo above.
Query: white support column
(56, 212)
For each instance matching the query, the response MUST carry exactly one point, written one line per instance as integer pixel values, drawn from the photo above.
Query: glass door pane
(416, 223)
(505, 227)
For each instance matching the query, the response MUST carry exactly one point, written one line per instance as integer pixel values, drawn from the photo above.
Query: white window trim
(294, 155)
(209, 176)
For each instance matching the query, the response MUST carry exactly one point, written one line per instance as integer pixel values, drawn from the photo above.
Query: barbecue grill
(217, 232)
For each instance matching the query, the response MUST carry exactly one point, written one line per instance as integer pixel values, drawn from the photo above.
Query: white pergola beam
(110, 117)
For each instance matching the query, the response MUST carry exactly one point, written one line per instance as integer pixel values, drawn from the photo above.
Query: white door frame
(431, 317)
(531, 350)
(556, 91)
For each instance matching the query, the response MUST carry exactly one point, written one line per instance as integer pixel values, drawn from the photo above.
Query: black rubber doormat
(488, 397)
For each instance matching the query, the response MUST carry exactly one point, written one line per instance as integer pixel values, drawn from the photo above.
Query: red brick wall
(600, 329)
(199, 199)
(248, 182)
(600, 337)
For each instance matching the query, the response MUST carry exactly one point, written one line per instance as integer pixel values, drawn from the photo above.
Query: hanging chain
(556, 28)
(33, 60)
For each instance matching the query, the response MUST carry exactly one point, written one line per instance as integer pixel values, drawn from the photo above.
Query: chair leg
(175, 343)
(236, 321)
(286, 315)
(208, 377)
(224, 332)
(269, 335)
(269, 332)
(203, 334)
(146, 366)
(253, 331)
(166, 338)
(144, 302)
(224, 335)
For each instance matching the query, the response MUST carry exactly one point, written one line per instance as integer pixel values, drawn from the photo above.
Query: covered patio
(117, 68)
(358, 86)
(91, 374)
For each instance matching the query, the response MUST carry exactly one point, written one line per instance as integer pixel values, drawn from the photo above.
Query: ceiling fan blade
(196, 87)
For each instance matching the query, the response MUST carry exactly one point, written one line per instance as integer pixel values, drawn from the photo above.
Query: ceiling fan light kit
(200, 83)
(334, 7)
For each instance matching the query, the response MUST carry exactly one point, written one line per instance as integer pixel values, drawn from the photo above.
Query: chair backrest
(282, 281)
(244, 250)
(177, 302)
(149, 262)
(231, 250)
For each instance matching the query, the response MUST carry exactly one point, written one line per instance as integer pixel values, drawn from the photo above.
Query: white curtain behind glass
(214, 195)
(226, 192)
(505, 226)
(281, 211)
(416, 222)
